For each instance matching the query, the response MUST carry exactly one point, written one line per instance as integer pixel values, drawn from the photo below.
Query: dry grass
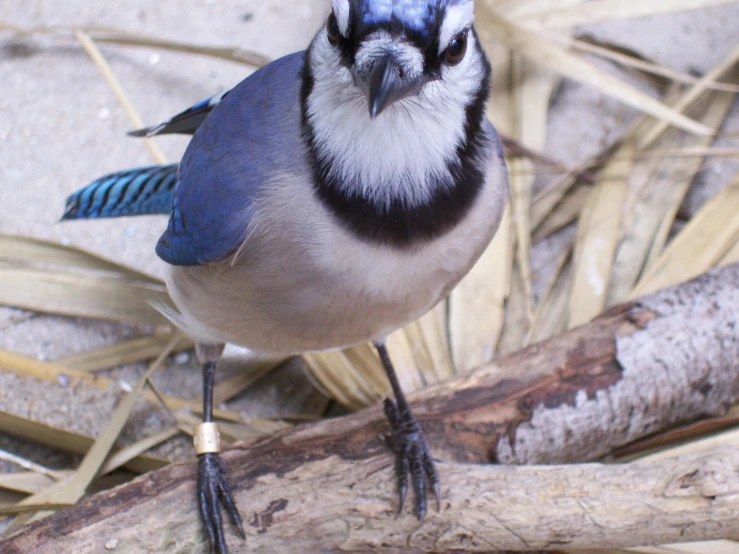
(622, 247)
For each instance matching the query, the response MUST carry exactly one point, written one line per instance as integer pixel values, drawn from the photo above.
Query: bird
(332, 197)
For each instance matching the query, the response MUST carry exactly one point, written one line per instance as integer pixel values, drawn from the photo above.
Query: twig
(126, 38)
(29, 465)
(115, 85)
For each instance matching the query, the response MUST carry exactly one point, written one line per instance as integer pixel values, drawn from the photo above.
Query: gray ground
(61, 127)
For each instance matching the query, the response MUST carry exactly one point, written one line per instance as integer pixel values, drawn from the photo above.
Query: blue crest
(414, 14)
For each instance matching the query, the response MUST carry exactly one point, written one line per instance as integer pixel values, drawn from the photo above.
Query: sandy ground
(61, 127)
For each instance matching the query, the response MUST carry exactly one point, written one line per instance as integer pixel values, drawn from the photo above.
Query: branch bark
(667, 358)
(339, 505)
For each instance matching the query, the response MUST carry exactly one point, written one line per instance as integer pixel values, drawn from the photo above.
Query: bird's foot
(412, 457)
(213, 488)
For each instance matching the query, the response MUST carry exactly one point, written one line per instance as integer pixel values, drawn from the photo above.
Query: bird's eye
(456, 49)
(332, 30)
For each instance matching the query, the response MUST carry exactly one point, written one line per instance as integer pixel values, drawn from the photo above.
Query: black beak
(387, 83)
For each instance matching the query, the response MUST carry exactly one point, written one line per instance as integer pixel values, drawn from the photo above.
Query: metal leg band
(207, 439)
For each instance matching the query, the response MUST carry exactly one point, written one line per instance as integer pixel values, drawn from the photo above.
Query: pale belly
(305, 284)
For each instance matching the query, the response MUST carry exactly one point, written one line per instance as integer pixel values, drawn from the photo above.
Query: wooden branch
(342, 505)
(328, 486)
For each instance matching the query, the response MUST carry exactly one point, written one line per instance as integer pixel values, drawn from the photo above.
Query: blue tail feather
(145, 190)
(140, 191)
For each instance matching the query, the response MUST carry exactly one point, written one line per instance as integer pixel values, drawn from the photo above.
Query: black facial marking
(399, 225)
(425, 39)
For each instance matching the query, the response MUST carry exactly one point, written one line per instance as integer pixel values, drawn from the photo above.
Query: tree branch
(328, 486)
(339, 505)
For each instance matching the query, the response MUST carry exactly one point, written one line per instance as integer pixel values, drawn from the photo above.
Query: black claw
(401, 471)
(224, 491)
(203, 504)
(213, 489)
(412, 457)
(419, 479)
(433, 477)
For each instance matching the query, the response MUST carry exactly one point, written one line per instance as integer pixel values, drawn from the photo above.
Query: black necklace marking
(398, 225)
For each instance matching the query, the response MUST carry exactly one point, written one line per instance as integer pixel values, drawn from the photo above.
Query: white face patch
(380, 43)
(402, 154)
(456, 19)
(341, 11)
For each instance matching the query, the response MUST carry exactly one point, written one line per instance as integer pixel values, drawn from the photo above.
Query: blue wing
(141, 191)
(497, 143)
(252, 136)
(186, 122)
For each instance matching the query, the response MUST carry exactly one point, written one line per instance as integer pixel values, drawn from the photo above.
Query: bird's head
(394, 88)
(390, 50)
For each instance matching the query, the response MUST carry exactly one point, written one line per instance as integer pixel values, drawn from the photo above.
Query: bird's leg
(212, 472)
(412, 453)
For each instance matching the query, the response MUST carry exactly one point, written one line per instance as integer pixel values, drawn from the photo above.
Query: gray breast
(301, 282)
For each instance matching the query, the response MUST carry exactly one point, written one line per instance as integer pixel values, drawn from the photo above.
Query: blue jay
(329, 199)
